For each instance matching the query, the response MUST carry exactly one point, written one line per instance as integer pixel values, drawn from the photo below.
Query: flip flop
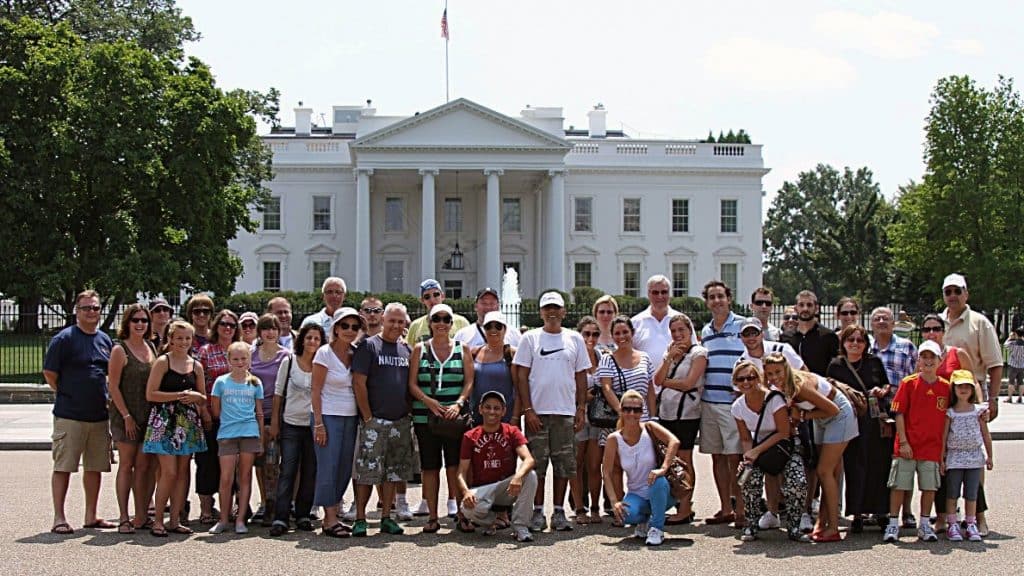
(502, 523)
(179, 529)
(679, 521)
(595, 518)
(339, 530)
(581, 517)
(158, 532)
(101, 523)
(432, 526)
(63, 529)
(721, 518)
(464, 525)
(126, 527)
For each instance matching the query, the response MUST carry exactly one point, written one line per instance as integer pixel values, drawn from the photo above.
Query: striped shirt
(724, 349)
(899, 358)
(1015, 348)
(441, 381)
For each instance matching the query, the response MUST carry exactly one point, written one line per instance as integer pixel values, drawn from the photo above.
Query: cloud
(887, 35)
(772, 67)
(967, 47)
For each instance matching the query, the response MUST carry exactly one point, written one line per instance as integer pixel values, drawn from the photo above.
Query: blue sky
(844, 83)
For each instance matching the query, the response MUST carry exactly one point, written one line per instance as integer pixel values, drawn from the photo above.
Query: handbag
(676, 474)
(451, 429)
(599, 412)
(773, 460)
(856, 397)
(689, 394)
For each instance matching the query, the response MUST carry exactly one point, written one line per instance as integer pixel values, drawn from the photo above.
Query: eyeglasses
(632, 410)
(140, 320)
(443, 319)
(855, 340)
(848, 313)
(790, 317)
(224, 324)
(248, 325)
(951, 291)
(372, 310)
(763, 302)
(334, 292)
(346, 326)
(880, 319)
(431, 295)
(90, 308)
(494, 326)
(603, 312)
(202, 311)
(927, 329)
(658, 292)
(590, 334)
(742, 379)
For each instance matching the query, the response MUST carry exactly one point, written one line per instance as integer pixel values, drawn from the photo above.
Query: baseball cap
(552, 299)
(961, 377)
(493, 394)
(429, 284)
(955, 280)
(929, 346)
(249, 316)
(487, 291)
(157, 303)
(495, 316)
(441, 308)
(751, 323)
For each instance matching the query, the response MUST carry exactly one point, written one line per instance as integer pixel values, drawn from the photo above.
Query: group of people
(369, 398)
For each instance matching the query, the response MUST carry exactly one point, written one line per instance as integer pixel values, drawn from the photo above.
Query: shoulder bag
(599, 411)
(689, 394)
(676, 474)
(773, 460)
(454, 428)
(857, 398)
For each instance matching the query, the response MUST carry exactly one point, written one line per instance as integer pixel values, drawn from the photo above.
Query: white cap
(929, 346)
(955, 280)
(441, 308)
(552, 298)
(495, 316)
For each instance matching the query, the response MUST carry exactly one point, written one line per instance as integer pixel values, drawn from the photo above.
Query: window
(511, 215)
(394, 214)
(321, 212)
(321, 272)
(631, 215)
(631, 279)
(729, 217)
(730, 275)
(453, 289)
(453, 215)
(271, 276)
(681, 279)
(582, 274)
(394, 276)
(272, 213)
(583, 219)
(680, 215)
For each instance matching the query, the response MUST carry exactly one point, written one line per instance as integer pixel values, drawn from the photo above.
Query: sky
(841, 83)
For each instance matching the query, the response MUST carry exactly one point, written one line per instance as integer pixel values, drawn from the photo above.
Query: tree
(826, 233)
(710, 138)
(966, 215)
(128, 172)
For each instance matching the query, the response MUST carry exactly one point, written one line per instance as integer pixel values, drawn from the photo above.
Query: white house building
(461, 192)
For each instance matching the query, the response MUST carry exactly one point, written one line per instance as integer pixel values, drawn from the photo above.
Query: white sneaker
(422, 509)
(453, 508)
(973, 534)
(655, 537)
(806, 524)
(640, 530)
(241, 529)
(768, 521)
(350, 516)
(925, 533)
(892, 533)
(402, 512)
(218, 528)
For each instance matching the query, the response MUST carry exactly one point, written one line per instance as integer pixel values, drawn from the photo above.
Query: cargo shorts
(384, 452)
(555, 442)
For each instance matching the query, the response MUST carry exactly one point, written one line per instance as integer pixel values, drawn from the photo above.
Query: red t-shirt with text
(923, 407)
(492, 455)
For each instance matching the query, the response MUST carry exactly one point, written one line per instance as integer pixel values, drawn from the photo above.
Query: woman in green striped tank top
(440, 384)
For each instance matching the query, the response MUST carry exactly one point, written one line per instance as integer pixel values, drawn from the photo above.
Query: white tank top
(824, 388)
(637, 462)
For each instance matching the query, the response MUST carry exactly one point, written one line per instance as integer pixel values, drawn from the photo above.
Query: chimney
(597, 121)
(303, 121)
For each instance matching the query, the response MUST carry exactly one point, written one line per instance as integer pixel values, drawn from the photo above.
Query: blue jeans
(297, 457)
(334, 461)
(652, 509)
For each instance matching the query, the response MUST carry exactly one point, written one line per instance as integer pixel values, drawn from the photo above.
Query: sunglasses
(202, 311)
(89, 308)
(848, 313)
(790, 317)
(346, 326)
(763, 302)
(749, 333)
(224, 324)
(160, 310)
(927, 329)
(590, 334)
(445, 319)
(742, 379)
(952, 291)
(374, 310)
(632, 410)
(603, 312)
(494, 326)
(248, 325)
(139, 320)
(881, 319)
(431, 296)
(334, 292)
(856, 340)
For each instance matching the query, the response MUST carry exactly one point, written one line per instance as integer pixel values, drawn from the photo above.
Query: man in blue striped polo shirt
(718, 434)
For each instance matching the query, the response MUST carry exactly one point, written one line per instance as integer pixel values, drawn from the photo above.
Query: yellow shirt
(973, 332)
(420, 328)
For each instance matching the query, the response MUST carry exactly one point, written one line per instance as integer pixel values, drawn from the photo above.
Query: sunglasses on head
(226, 324)
(354, 326)
(848, 313)
(140, 320)
(763, 302)
(89, 308)
(953, 290)
(927, 329)
(442, 318)
(632, 410)
(494, 326)
(741, 379)
(372, 310)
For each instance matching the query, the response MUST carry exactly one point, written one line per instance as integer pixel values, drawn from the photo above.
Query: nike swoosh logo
(544, 352)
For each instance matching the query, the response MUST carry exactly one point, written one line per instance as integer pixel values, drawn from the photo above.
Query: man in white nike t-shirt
(553, 388)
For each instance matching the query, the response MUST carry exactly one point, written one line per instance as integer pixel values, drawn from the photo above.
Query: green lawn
(21, 357)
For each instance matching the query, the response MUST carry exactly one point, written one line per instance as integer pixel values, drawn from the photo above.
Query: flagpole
(447, 96)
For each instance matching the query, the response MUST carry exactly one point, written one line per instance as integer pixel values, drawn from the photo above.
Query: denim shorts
(839, 428)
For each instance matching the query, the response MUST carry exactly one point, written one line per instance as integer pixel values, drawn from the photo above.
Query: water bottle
(745, 474)
(873, 409)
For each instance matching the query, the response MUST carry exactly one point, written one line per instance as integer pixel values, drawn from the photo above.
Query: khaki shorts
(718, 432)
(555, 442)
(74, 441)
(901, 474)
(384, 452)
(236, 446)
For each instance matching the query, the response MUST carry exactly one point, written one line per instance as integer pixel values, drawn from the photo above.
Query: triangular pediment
(460, 125)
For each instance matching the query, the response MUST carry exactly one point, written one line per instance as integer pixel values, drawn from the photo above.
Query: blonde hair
(606, 299)
(744, 365)
(790, 385)
(629, 395)
(246, 349)
(171, 329)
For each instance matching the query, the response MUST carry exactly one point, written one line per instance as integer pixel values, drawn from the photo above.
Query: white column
(363, 251)
(427, 233)
(492, 275)
(554, 252)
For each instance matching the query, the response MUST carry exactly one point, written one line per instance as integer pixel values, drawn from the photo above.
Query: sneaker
(909, 522)
(655, 537)
(749, 534)
(768, 521)
(350, 516)
(926, 534)
(402, 512)
(892, 533)
(422, 509)
(973, 534)
(241, 529)
(806, 524)
(218, 528)
(259, 513)
(453, 508)
(798, 536)
(560, 523)
(359, 528)
(953, 533)
(640, 530)
(523, 534)
(390, 526)
(538, 522)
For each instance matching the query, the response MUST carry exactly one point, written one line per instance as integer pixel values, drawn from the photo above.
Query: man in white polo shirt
(553, 389)
(650, 327)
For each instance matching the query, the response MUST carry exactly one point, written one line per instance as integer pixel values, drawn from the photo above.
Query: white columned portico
(492, 274)
(363, 250)
(427, 233)
(554, 251)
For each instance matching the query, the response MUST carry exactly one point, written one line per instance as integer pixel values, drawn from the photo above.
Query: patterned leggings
(794, 492)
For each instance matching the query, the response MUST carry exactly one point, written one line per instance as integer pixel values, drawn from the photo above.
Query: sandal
(432, 526)
(502, 523)
(100, 523)
(207, 519)
(126, 527)
(63, 529)
(464, 525)
(158, 531)
(339, 530)
(595, 518)
(581, 516)
(145, 525)
(180, 529)
(490, 530)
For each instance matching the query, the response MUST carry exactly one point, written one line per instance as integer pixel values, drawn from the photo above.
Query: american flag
(444, 24)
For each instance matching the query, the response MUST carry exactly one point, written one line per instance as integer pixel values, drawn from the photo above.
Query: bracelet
(125, 416)
(318, 426)
(527, 409)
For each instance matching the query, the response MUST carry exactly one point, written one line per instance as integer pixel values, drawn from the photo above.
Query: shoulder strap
(622, 377)
(764, 408)
(849, 365)
(480, 331)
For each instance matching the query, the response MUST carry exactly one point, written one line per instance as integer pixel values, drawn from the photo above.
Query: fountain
(510, 298)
